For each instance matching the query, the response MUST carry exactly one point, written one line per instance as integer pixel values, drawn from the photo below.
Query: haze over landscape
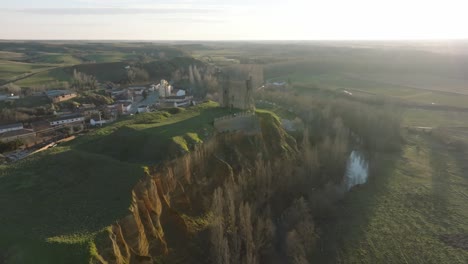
(233, 20)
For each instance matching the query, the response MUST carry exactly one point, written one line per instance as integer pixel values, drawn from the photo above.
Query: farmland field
(10, 70)
(406, 214)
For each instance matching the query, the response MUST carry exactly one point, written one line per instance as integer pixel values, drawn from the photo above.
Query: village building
(58, 96)
(117, 92)
(11, 127)
(8, 97)
(164, 89)
(178, 92)
(98, 120)
(66, 120)
(143, 109)
(88, 110)
(17, 134)
(137, 90)
(123, 107)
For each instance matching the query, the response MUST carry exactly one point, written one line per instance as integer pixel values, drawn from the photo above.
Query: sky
(233, 20)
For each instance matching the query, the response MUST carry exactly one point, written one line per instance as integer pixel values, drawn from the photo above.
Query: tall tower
(236, 93)
(248, 100)
(226, 92)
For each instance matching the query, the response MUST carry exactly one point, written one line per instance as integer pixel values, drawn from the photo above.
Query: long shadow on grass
(441, 180)
(349, 220)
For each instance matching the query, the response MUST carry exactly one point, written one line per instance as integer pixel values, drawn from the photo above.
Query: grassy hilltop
(55, 203)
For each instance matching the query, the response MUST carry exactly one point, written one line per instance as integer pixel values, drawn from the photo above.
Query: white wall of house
(127, 108)
(99, 122)
(67, 121)
(139, 92)
(144, 109)
(18, 127)
(180, 92)
(184, 103)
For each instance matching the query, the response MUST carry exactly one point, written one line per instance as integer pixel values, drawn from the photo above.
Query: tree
(219, 243)
(13, 88)
(191, 77)
(83, 81)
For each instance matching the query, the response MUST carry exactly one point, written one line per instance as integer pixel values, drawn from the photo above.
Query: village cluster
(127, 101)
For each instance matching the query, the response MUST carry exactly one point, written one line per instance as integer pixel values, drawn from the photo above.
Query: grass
(45, 77)
(11, 70)
(27, 102)
(277, 109)
(366, 87)
(147, 138)
(55, 203)
(428, 118)
(7, 55)
(401, 214)
(57, 58)
(101, 57)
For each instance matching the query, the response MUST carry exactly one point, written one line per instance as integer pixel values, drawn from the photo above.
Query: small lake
(357, 169)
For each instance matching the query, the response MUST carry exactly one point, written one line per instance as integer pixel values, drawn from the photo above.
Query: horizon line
(239, 40)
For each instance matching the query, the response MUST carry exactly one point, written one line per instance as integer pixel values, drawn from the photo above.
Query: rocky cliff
(170, 209)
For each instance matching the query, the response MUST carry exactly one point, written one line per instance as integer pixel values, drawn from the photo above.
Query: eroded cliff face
(169, 196)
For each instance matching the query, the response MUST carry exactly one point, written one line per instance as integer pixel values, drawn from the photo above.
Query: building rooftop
(40, 125)
(15, 133)
(11, 125)
(87, 106)
(54, 93)
(137, 88)
(65, 117)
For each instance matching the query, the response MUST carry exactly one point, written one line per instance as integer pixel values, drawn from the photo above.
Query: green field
(44, 78)
(403, 215)
(18, 60)
(428, 118)
(365, 88)
(101, 57)
(11, 70)
(150, 138)
(56, 202)
(57, 58)
(6, 55)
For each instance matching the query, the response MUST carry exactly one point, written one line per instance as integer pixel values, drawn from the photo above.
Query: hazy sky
(230, 20)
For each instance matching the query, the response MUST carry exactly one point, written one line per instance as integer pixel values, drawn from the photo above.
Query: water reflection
(357, 169)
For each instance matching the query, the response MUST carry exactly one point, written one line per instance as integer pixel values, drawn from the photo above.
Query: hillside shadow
(350, 219)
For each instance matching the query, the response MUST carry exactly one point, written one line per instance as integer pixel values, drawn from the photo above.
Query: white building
(126, 107)
(179, 92)
(143, 109)
(165, 89)
(98, 122)
(11, 127)
(63, 120)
